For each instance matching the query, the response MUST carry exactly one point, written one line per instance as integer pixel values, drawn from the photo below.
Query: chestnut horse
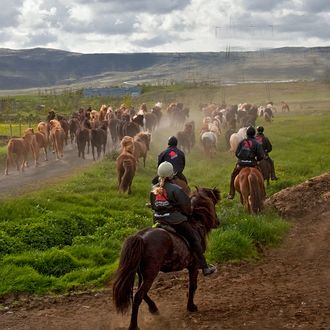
(126, 165)
(250, 184)
(155, 249)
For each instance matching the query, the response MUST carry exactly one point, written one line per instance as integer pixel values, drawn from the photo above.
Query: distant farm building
(112, 91)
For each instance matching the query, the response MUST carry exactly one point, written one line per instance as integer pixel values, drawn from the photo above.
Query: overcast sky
(117, 26)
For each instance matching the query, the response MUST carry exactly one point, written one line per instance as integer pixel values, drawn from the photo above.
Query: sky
(139, 26)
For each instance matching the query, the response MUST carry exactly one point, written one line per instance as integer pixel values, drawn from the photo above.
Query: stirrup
(210, 269)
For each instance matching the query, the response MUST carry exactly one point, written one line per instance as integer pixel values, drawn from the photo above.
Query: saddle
(171, 230)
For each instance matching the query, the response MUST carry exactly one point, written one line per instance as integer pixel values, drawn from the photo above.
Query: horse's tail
(128, 175)
(130, 259)
(255, 199)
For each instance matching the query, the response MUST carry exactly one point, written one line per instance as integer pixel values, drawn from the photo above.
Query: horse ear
(196, 187)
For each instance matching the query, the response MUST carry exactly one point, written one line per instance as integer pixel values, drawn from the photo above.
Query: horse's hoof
(133, 328)
(192, 308)
(154, 310)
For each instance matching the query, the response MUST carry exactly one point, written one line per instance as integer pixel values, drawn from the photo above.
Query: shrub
(9, 244)
(52, 262)
(231, 246)
(15, 279)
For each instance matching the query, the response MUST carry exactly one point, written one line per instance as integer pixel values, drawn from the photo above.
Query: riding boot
(235, 172)
(206, 269)
(191, 235)
(272, 169)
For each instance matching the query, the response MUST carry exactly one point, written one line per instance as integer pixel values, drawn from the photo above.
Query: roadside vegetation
(68, 236)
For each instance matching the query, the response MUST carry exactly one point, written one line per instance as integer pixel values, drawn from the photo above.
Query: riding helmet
(172, 141)
(250, 132)
(260, 129)
(165, 170)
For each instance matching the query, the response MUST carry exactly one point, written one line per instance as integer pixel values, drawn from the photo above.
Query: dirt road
(289, 288)
(16, 183)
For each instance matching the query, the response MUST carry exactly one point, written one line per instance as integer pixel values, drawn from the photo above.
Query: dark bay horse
(250, 184)
(265, 168)
(155, 249)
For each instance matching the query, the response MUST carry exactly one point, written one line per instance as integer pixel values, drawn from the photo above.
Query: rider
(175, 156)
(267, 147)
(248, 152)
(172, 206)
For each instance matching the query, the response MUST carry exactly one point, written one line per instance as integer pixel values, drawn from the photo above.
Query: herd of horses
(153, 249)
(130, 131)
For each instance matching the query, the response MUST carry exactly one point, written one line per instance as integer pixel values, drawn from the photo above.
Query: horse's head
(203, 201)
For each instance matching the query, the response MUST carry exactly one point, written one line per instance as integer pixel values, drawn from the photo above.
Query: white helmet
(165, 170)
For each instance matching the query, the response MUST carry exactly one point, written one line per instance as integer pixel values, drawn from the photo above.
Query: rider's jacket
(264, 141)
(248, 152)
(174, 156)
(173, 206)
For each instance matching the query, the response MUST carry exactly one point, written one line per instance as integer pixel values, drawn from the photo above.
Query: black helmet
(260, 129)
(250, 132)
(172, 141)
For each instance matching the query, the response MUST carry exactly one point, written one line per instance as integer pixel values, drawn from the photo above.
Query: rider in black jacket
(248, 152)
(172, 206)
(267, 147)
(175, 156)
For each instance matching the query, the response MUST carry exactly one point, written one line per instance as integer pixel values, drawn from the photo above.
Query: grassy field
(68, 236)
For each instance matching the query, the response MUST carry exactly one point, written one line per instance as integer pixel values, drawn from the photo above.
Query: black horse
(155, 249)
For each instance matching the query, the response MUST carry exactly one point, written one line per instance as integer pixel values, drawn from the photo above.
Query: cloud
(40, 39)
(138, 6)
(9, 13)
(172, 25)
(316, 6)
(263, 5)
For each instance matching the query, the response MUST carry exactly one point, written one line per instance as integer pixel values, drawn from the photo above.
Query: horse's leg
(193, 274)
(93, 151)
(242, 200)
(45, 153)
(153, 309)
(139, 295)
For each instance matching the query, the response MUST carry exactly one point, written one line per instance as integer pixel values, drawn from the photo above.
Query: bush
(52, 262)
(231, 246)
(16, 279)
(9, 244)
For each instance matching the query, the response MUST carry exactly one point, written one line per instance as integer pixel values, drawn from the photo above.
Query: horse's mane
(127, 144)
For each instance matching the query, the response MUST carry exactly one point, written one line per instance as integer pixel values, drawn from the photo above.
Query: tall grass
(69, 235)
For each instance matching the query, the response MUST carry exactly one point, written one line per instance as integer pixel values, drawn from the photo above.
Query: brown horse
(250, 184)
(155, 249)
(18, 150)
(126, 165)
(141, 146)
(57, 137)
(186, 138)
(265, 168)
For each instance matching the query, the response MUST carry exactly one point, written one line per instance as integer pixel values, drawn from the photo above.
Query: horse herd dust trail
(288, 288)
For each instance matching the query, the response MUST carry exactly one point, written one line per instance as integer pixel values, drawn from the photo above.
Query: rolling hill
(42, 68)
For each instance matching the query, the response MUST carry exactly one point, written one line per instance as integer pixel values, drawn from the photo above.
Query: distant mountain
(43, 68)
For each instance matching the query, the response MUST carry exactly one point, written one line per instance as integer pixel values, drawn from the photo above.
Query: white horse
(236, 138)
(209, 143)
